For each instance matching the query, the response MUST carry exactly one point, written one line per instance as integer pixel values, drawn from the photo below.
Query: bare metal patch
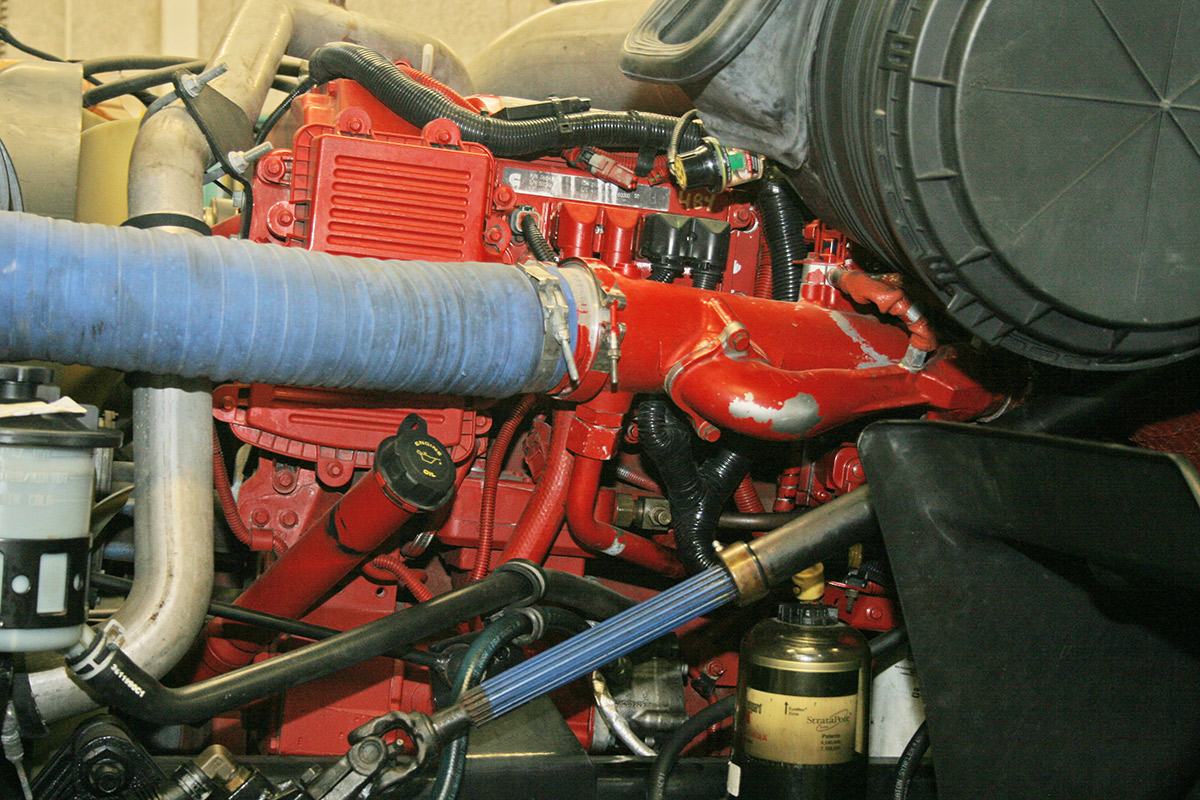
(872, 357)
(798, 415)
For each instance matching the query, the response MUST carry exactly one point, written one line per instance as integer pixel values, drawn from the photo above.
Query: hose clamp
(747, 573)
(531, 572)
(98, 657)
(556, 315)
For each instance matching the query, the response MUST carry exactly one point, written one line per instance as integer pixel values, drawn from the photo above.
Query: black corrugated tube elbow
(420, 105)
(783, 223)
(696, 494)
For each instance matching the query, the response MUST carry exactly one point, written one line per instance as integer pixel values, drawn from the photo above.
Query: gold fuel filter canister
(800, 731)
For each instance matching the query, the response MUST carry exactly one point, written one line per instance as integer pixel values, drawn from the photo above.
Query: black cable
(98, 66)
(271, 622)
(137, 83)
(910, 762)
(680, 738)
(420, 105)
(7, 37)
(264, 129)
(537, 242)
(121, 683)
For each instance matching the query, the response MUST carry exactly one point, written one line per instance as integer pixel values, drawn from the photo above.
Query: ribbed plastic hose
(232, 310)
(594, 648)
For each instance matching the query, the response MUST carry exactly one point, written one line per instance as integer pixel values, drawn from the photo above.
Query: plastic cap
(416, 469)
(19, 384)
(810, 615)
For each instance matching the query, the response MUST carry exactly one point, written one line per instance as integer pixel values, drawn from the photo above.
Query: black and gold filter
(800, 732)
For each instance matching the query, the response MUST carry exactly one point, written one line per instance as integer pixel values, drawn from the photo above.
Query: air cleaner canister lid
(414, 467)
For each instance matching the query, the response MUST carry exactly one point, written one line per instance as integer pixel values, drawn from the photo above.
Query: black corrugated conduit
(696, 493)
(783, 223)
(420, 105)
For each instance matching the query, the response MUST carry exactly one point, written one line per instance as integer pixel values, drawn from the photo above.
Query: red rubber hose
(547, 509)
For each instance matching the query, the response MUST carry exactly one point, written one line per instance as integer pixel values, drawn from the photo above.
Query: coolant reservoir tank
(800, 729)
(46, 479)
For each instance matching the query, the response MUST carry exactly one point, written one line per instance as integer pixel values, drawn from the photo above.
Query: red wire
(404, 574)
(491, 483)
(225, 494)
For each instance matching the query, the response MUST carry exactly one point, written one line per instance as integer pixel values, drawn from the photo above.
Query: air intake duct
(1034, 163)
(175, 304)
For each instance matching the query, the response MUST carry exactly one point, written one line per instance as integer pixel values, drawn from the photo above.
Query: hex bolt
(260, 517)
(660, 515)
(241, 160)
(192, 84)
(107, 775)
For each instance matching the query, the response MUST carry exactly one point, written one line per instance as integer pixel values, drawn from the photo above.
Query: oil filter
(800, 731)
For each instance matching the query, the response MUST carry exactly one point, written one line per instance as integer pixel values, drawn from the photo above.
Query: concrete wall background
(91, 28)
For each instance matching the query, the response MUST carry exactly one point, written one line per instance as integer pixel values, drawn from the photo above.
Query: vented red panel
(397, 200)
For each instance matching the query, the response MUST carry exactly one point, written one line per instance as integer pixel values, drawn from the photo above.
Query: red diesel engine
(360, 181)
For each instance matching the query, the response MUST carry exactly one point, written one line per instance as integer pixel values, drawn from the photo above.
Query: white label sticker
(733, 781)
(800, 730)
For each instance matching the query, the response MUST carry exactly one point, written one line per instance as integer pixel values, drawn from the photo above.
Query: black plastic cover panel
(1049, 587)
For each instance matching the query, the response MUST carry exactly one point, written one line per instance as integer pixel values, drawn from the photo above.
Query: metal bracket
(612, 334)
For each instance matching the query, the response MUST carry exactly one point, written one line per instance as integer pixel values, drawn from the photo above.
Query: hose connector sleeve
(154, 302)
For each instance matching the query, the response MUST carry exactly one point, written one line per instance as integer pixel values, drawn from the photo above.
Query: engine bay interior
(820, 424)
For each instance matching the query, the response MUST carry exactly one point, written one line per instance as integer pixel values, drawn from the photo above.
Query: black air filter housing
(1038, 164)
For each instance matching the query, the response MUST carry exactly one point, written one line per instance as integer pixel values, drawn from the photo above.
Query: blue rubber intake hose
(164, 303)
(600, 645)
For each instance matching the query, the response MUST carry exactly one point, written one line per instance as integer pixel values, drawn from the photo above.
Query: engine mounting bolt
(875, 613)
(285, 218)
(715, 669)
(354, 124)
(740, 341)
(494, 234)
(443, 136)
(335, 469)
(107, 776)
(288, 519)
(285, 478)
(260, 517)
(272, 166)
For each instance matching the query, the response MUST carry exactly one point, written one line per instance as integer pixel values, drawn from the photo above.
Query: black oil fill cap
(416, 468)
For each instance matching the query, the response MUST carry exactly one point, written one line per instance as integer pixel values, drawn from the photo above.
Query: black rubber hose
(681, 737)
(270, 622)
(886, 643)
(137, 83)
(124, 685)
(910, 762)
(783, 224)
(696, 494)
(420, 105)
(538, 245)
(591, 599)
(471, 671)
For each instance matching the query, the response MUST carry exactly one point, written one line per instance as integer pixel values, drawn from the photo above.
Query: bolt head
(443, 136)
(289, 519)
(740, 341)
(260, 517)
(335, 469)
(107, 776)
